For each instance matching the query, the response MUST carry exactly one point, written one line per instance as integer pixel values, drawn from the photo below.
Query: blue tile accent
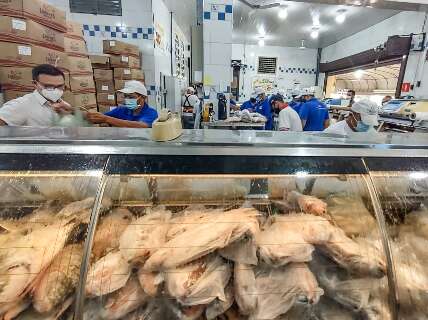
(207, 15)
(229, 8)
(221, 16)
(145, 33)
(153, 88)
(85, 27)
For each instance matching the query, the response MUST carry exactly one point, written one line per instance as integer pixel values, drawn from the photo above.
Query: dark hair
(47, 69)
(352, 92)
(253, 100)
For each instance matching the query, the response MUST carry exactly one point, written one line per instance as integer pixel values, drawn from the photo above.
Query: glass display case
(215, 225)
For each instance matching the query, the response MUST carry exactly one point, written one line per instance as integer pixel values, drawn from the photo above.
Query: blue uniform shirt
(147, 114)
(315, 113)
(247, 105)
(265, 109)
(296, 106)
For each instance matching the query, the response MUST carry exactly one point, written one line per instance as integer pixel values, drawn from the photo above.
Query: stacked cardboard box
(31, 33)
(125, 59)
(103, 75)
(78, 65)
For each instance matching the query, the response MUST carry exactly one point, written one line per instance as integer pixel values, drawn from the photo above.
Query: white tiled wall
(293, 58)
(217, 35)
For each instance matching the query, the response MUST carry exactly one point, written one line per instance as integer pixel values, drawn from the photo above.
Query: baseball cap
(368, 111)
(134, 86)
(275, 98)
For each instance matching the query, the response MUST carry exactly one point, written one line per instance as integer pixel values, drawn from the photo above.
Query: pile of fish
(197, 264)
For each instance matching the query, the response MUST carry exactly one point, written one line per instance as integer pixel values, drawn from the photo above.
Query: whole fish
(124, 301)
(109, 231)
(108, 274)
(31, 314)
(24, 258)
(59, 280)
(150, 282)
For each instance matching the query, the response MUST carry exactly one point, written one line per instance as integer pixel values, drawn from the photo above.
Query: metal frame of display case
(206, 152)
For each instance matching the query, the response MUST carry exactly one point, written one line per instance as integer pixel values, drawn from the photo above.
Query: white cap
(296, 93)
(134, 86)
(257, 91)
(306, 92)
(190, 89)
(368, 111)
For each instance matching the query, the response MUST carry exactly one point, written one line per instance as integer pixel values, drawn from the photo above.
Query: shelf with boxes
(33, 33)
(119, 63)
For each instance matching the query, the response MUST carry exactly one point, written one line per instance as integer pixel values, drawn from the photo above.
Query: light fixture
(283, 13)
(252, 54)
(261, 42)
(302, 47)
(341, 16)
(359, 74)
(315, 33)
(262, 31)
(418, 175)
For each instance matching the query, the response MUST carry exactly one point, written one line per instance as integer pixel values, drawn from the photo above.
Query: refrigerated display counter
(106, 224)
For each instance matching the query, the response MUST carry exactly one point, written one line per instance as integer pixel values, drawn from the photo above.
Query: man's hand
(96, 117)
(62, 107)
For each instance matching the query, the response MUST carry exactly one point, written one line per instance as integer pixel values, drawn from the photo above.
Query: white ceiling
(297, 26)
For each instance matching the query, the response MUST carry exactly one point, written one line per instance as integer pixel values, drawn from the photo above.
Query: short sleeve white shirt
(31, 110)
(289, 120)
(341, 128)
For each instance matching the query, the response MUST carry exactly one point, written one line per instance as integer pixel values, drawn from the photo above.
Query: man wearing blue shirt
(314, 114)
(249, 105)
(136, 113)
(296, 104)
(263, 107)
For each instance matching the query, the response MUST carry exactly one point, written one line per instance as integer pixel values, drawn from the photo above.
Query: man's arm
(2, 123)
(99, 118)
(304, 114)
(326, 124)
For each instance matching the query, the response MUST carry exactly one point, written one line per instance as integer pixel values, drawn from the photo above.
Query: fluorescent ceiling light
(341, 18)
(302, 47)
(283, 13)
(315, 33)
(262, 31)
(359, 74)
(252, 54)
(261, 42)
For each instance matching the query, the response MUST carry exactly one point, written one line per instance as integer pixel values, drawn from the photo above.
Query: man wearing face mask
(42, 107)
(136, 113)
(263, 107)
(362, 118)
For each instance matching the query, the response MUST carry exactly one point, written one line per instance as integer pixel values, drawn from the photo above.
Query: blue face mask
(362, 127)
(131, 104)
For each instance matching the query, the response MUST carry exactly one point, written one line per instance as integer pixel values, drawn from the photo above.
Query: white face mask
(52, 94)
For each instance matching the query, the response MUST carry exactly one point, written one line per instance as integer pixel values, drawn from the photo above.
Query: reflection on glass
(43, 225)
(403, 197)
(258, 247)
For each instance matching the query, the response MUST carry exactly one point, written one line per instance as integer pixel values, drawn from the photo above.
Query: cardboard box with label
(100, 61)
(74, 30)
(84, 84)
(75, 47)
(105, 108)
(106, 99)
(37, 10)
(25, 31)
(128, 74)
(13, 77)
(119, 84)
(120, 48)
(102, 74)
(125, 62)
(104, 86)
(86, 100)
(15, 54)
(77, 65)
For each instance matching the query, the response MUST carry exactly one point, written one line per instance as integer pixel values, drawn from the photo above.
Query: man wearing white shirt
(288, 119)
(362, 118)
(42, 107)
